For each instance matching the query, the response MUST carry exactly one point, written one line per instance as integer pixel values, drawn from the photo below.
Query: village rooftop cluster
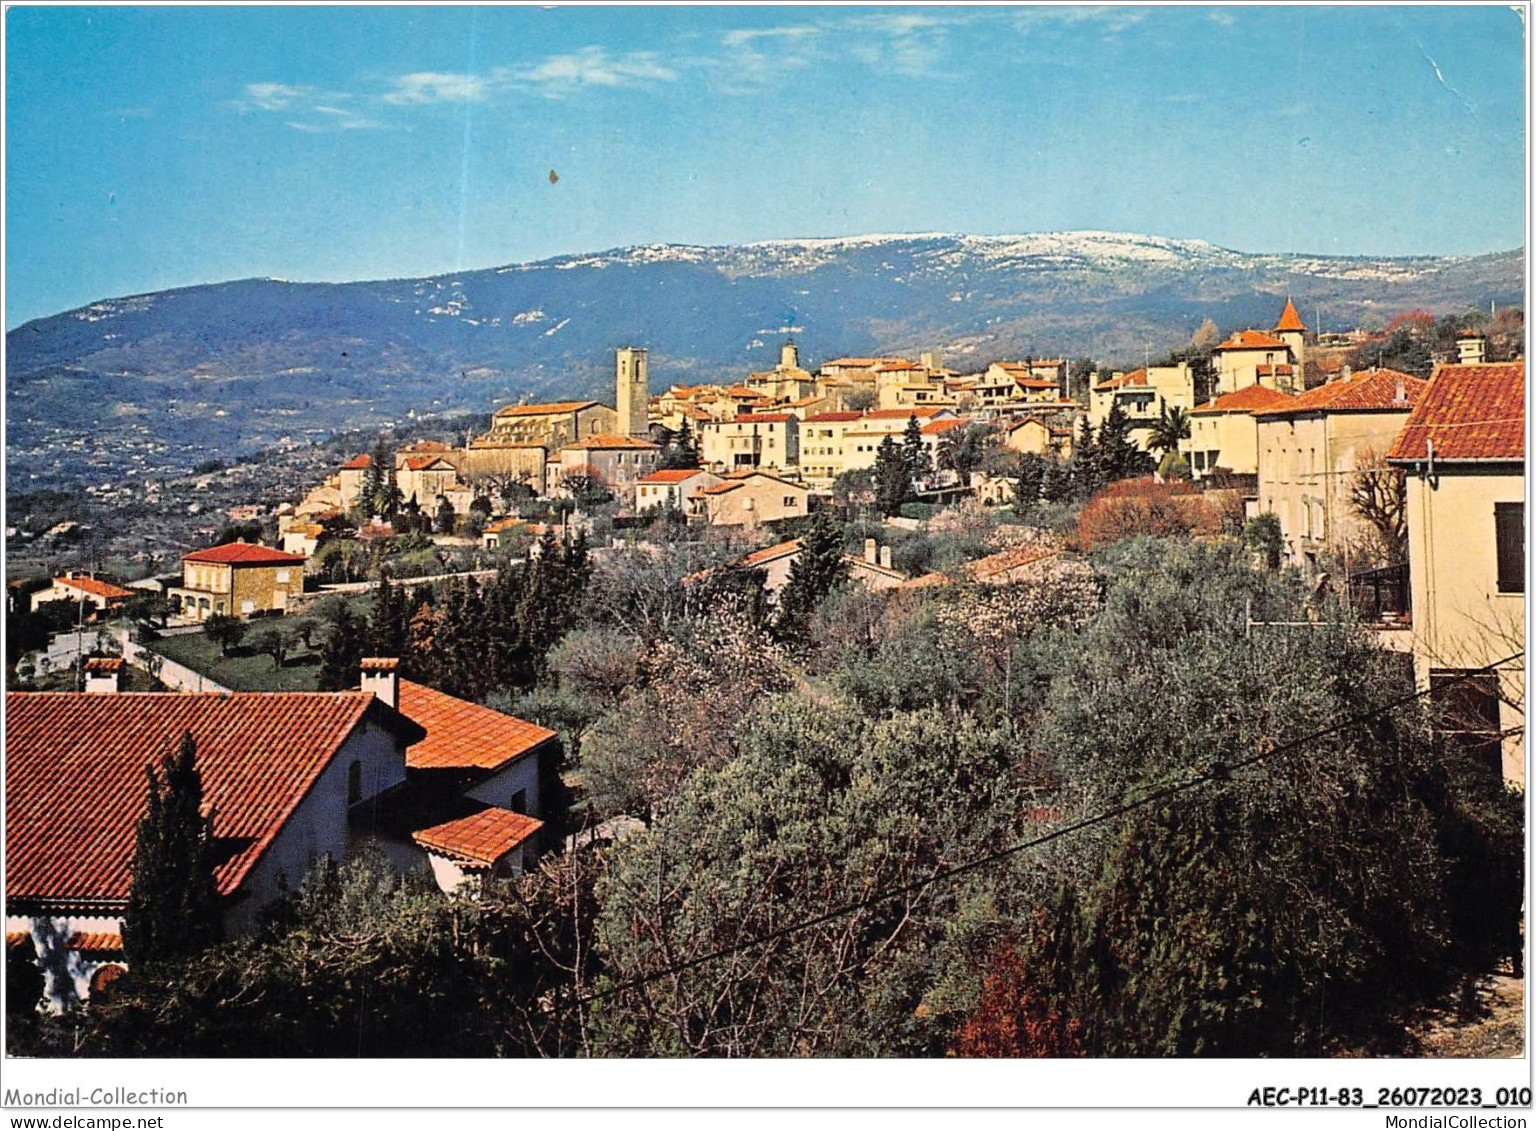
(1277, 430)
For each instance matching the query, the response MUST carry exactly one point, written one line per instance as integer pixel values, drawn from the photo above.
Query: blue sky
(158, 147)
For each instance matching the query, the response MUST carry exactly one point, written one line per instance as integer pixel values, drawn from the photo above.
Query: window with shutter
(1509, 534)
(1467, 713)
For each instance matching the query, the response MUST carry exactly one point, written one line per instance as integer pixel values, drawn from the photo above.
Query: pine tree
(816, 571)
(173, 905)
(1032, 471)
(387, 625)
(446, 518)
(1118, 457)
(341, 652)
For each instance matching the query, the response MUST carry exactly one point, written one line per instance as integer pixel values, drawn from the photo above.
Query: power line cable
(1221, 772)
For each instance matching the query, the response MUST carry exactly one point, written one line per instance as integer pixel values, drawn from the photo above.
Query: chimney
(382, 677)
(885, 556)
(1472, 346)
(103, 675)
(1402, 392)
(1344, 373)
(869, 550)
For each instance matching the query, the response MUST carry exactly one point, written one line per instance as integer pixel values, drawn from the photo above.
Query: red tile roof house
(77, 587)
(281, 773)
(438, 783)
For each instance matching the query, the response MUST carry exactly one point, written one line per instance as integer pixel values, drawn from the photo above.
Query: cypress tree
(913, 454)
(173, 906)
(893, 477)
(816, 571)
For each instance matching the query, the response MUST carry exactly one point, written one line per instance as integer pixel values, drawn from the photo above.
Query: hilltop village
(815, 632)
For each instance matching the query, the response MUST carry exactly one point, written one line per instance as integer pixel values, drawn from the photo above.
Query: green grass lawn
(247, 670)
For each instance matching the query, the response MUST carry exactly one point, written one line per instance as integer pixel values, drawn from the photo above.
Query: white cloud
(592, 66)
(436, 86)
(741, 37)
(272, 95)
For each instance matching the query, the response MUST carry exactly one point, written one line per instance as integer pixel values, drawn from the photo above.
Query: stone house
(1224, 434)
(672, 487)
(238, 579)
(751, 499)
(1310, 446)
(1463, 450)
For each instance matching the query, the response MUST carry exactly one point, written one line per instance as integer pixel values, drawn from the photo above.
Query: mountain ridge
(247, 363)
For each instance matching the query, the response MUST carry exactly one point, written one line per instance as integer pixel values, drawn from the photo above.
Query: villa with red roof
(79, 587)
(1463, 450)
(1275, 360)
(1142, 395)
(770, 440)
(438, 783)
(238, 579)
(1223, 433)
(672, 487)
(1310, 445)
(283, 775)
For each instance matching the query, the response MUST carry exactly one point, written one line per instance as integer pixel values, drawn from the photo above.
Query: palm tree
(1170, 427)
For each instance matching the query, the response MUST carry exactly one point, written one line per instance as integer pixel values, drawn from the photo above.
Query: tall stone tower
(789, 355)
(633, 394)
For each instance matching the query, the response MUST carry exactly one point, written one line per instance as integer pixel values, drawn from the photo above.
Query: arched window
(354, 783)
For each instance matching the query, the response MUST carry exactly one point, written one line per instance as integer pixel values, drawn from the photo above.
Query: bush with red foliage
(1014, 1019)
(1134, 507)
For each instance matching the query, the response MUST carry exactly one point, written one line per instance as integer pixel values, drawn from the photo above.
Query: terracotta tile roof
(95, 940)
(481, 838)
(761, 418)
(1289, 318)
(720, 488)
(764, 556)
(939, 427)
(903, 413)
(243, 553)
(898, 367)
(674, 475)
(94, 588)
(379, 664)
(421, 463)
(502, 524)
(805, 402)
(554, 408)
(1252, 398)
(834, 417)
(1369, 390)
(605, 443)
(1252, 340)
(75, 777)
(857, 564)
(999, 566)
(1134, 377)
(358, 463)
(860, 362)
(106, 664)
(1470, 412)
(1274, 370)
(462, 735)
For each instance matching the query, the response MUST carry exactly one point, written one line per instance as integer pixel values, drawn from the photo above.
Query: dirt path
(1495, 1028)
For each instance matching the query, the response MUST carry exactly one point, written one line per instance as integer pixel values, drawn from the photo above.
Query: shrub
(1136, 507)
